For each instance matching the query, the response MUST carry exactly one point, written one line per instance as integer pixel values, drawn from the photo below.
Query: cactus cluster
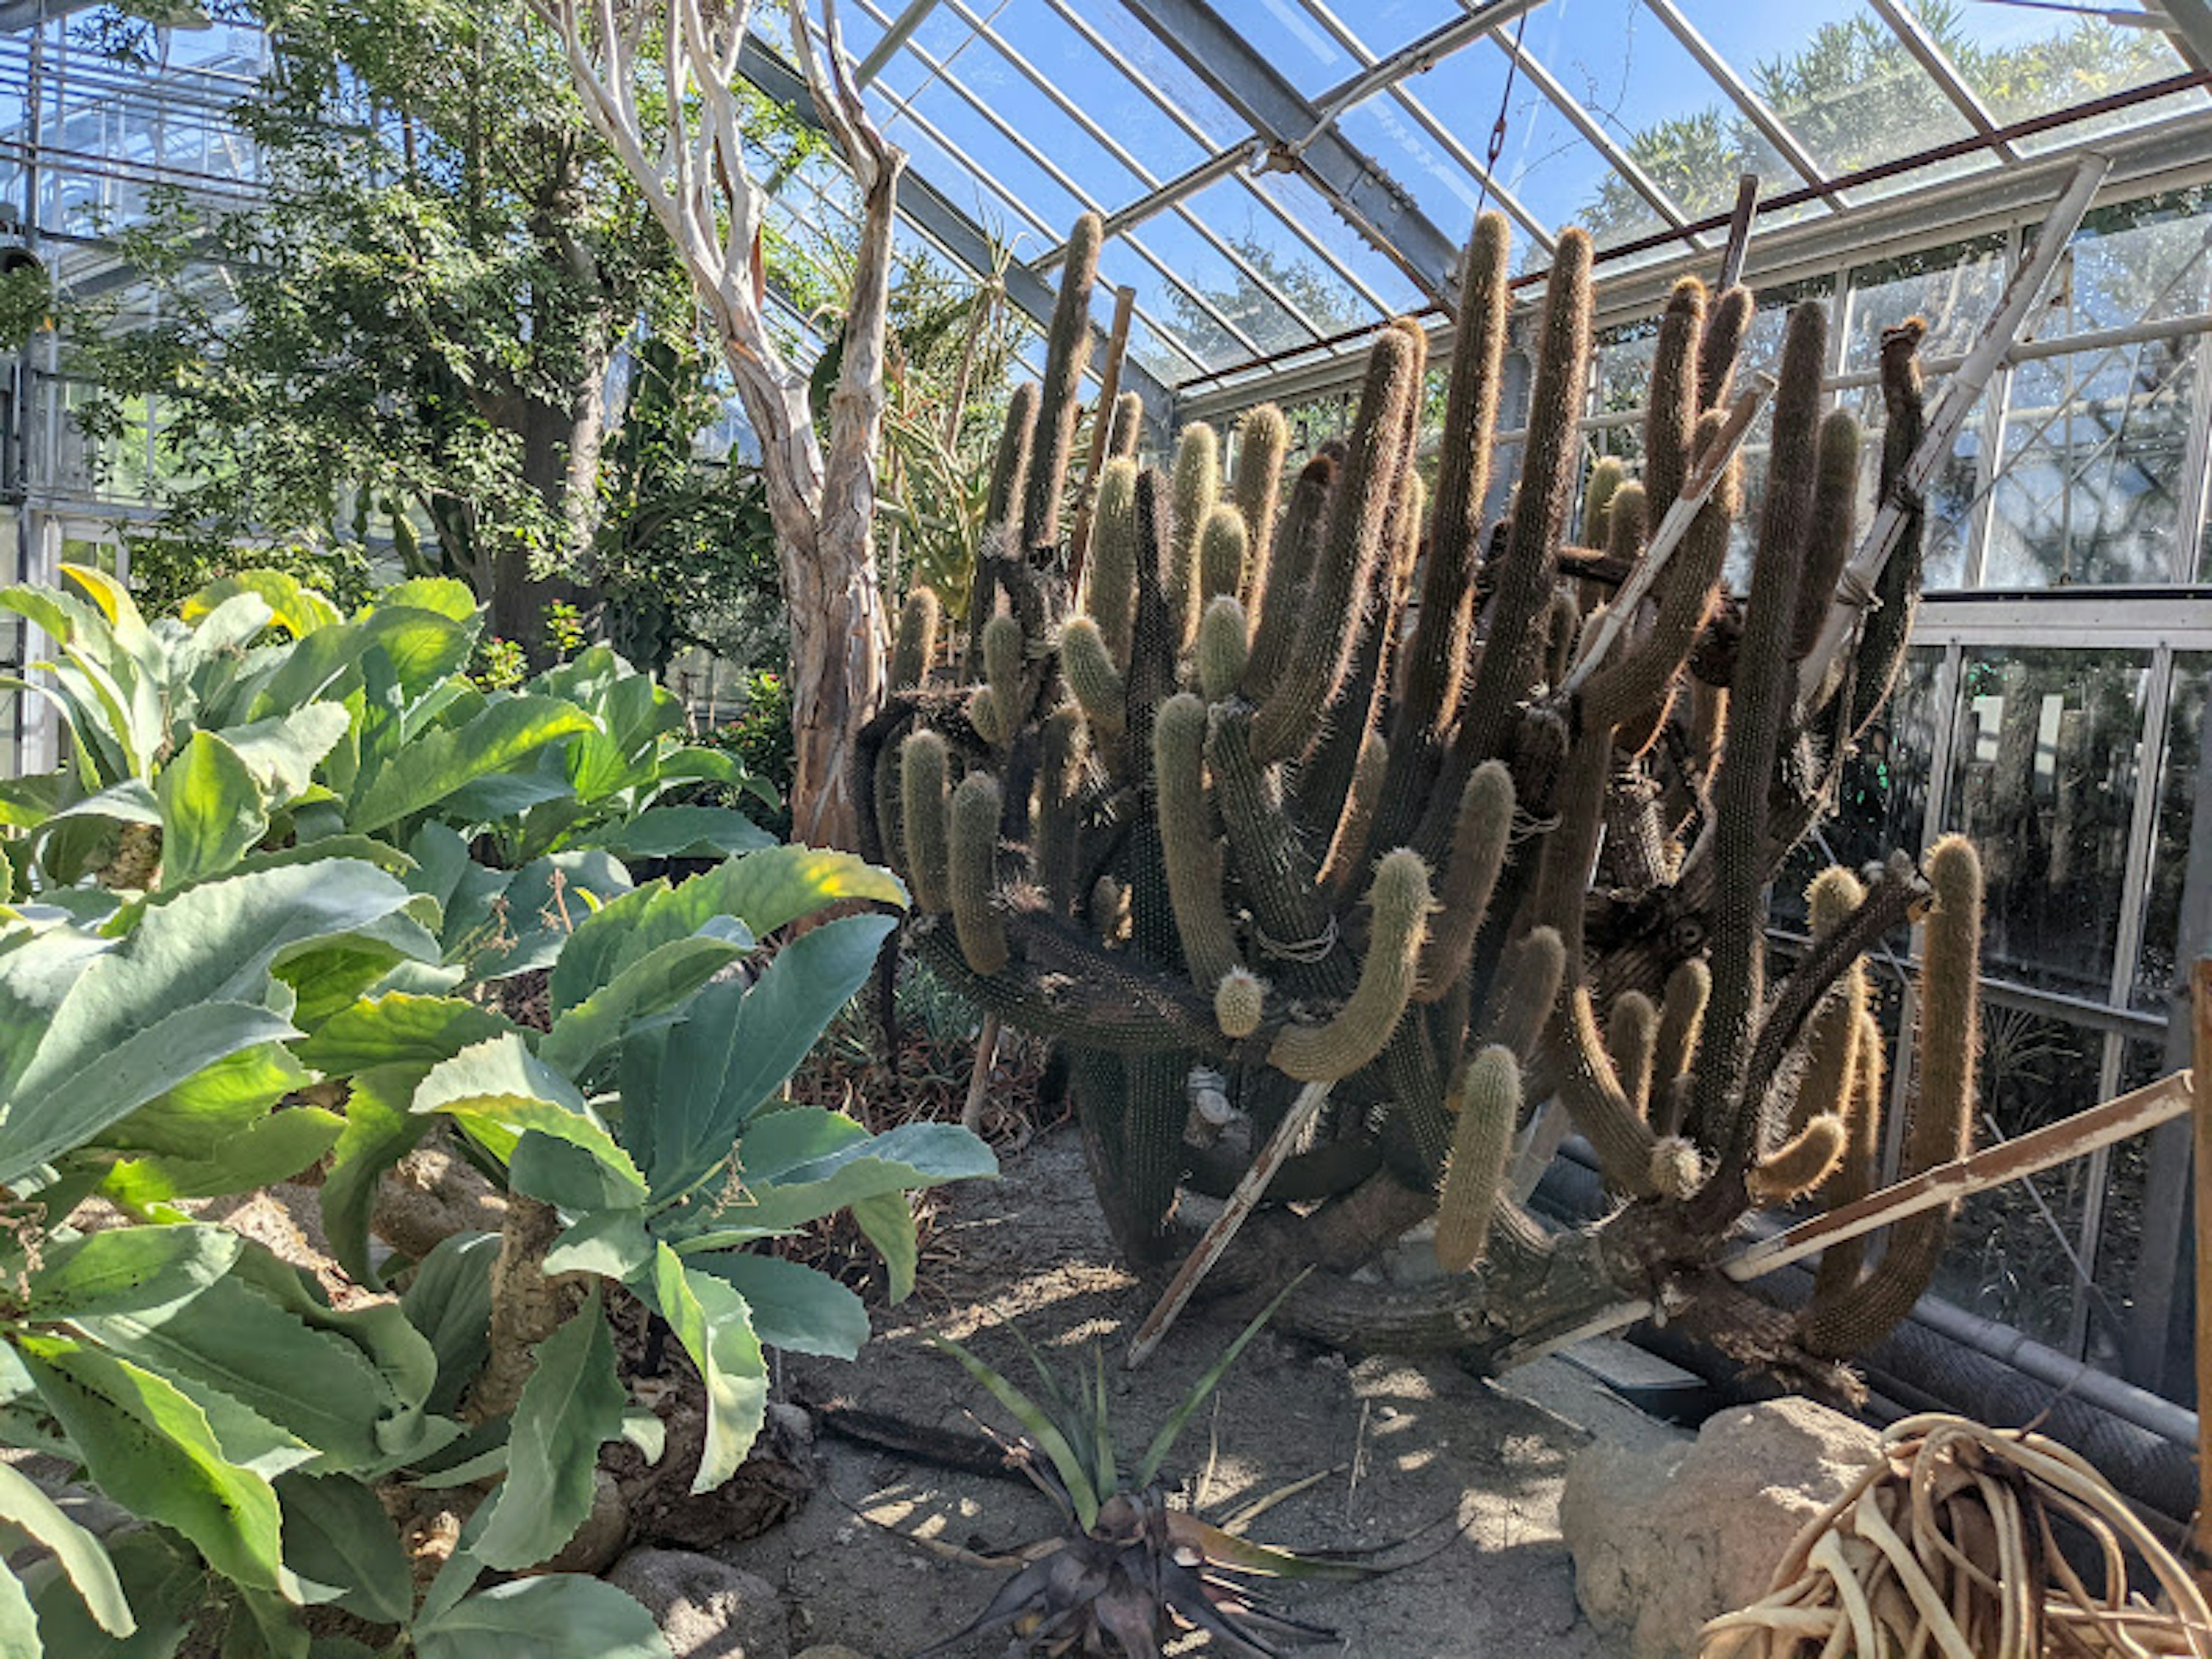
(1307, 781)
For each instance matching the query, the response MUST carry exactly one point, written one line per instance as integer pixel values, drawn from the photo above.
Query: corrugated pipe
(1946, 1358)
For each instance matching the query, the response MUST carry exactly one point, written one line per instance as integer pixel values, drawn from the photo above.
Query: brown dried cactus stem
(1291, 789)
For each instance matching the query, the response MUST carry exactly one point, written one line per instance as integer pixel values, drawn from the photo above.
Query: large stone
(706, 1609)
(833, 1650)
(1664, 1541)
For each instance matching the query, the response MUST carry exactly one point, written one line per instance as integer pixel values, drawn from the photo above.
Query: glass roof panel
(1642, 87)
(1294, 42)
(2025, 62)
(1053, 48)
(1304, 206)
(1122, 38)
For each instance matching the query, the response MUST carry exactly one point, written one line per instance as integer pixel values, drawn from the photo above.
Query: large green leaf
(399, 1027)
(128, 1270)
(793, 1307)
(165, 1582)
(571, 1405)
(283, 752)
(738, 1044)
(201, 1115)
(83, 1560)
(497, 1090)
(337, 1534)
(152, 1450)
(556, 1615)
(186, 989)
(886, 1221)
(297, 609)
(212, 810)
(441, 762)
(378, 1131)
(652, 984)
(315, 1385)
(274, 1148)
(449, 1301)
(801, 1163)
(712, 1322)
(690, 832)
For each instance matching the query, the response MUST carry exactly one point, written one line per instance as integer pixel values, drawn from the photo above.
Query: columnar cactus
(1311, 785)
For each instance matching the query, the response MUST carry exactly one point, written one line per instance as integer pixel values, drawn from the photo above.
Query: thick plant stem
(527, 1306)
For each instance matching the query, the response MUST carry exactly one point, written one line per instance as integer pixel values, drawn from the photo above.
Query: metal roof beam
(1928, 53)
(1753, 106)
(1163, 197)
(1419, 56)
(944, 223)
(1373, 203)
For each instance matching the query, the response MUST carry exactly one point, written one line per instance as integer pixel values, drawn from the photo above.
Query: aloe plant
(160, 1047)
(259, 724)
(1130, 1570)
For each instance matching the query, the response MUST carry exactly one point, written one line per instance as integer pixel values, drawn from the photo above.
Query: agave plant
(1129, 1570)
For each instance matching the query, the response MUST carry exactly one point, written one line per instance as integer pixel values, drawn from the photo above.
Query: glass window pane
(2177, 774)
(2120, 1232)
(2090, 487)
(1117, 104)
(1119, 32)
(2044, 774)
(1951, 500)
(2134, 260)
(2012, 1250)
(1951, 289)
(1294, 42)
(2026, 62)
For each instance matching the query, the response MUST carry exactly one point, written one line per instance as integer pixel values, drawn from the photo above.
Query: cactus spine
(1222, 544)
(1240, 1003)
(1128, 426)
(1086, 659)
(1399, 898)
(1194, 857)
(1479, 838)
(1263, 438)
(921, 817)
(1224, 647)
(1197, 487)
(973, 888)
(915, 646)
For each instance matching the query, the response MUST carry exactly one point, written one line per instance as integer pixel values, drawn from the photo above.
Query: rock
(705, 1607)
(1664, 1541)
(833, 1650)
(604, 1531)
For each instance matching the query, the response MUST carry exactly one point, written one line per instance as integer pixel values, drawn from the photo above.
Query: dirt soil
(1401, 1447)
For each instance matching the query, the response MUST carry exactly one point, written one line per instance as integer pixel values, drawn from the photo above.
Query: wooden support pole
(2201, 1066)
(979, 1078)
(1739, 236)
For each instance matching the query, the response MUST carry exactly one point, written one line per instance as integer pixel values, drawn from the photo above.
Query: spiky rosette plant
(1328, 779)
(1131, 1571)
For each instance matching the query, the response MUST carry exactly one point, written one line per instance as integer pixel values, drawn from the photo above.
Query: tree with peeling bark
(659, 85)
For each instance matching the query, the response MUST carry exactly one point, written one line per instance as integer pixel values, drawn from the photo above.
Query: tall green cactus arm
(1059, 792)
(1886, 631)
(1221, 548)
(973, 858)
(1672, 413)
(1854, 1178)
(1681, 1020)
(1356, 1034)
(1940, 1127)
(1550, 464)
(1005, 670)
(1127, 429)
(922, 821)
(1482, 1141)
(916, 645)
(1639, 673)
(1347, 848)
(1086, 662)
(1607, 474)
(1632, 1036)
(1480, 837)
(1828, 1087)
(1187, 840)
(1834, 497)
(1525, 990)
(1760, 697)
(1336, 610)
(1067, 354)
(1263, 438)
(1728, 322)
(1595, 1099)
(1109, 577)
(1282, 606)
(1010, 469)
(1223, 646)
(1802, 1165)
(1197, 488)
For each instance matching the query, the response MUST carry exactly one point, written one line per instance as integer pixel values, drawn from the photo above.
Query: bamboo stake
(979, 1078)
(1101, 423)
(2014, 1160)
(2200, 1064)
(1242, 1203)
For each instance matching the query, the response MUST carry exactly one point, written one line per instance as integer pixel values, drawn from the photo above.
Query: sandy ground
(1401, 1447)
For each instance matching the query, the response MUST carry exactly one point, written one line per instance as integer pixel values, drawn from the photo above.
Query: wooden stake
(1242, 1203)
(2200, 985)
(1995, 1166)
(979, 1080)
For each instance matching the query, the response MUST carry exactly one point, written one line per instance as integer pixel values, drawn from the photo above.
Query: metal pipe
(1165, 195)
(901, 31)
(2027, 128)
(1415, 57)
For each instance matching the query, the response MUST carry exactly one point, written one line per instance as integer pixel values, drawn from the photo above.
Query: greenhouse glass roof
(1279, 175)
